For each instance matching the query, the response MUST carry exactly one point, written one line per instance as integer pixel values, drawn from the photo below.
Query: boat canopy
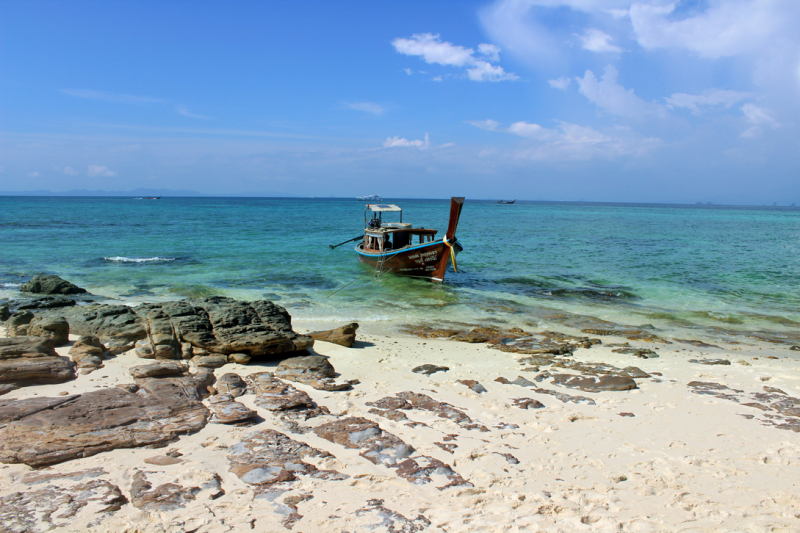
(380, 208)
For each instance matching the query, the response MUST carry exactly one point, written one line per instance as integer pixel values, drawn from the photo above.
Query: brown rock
(266, 458)
(87, 352)
(429, 369)
(231, 384)
(60, 504)
(592, 384)
(380, 447)
(99, 421)
(344, 336)
(225, 410)
(210, 361)
(163, 460)
(165, 497)
(158, 369)
(313, 370)
(274, 395)
(17, 325)
(56, 328)
(32, 361)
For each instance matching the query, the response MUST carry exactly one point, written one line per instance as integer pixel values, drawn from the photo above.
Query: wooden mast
(456, 204)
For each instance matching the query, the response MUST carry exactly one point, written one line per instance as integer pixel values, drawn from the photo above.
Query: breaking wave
(120, 259)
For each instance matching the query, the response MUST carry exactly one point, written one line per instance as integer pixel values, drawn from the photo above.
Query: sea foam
(120, 259)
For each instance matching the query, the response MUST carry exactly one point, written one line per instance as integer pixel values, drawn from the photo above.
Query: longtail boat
(400, 248)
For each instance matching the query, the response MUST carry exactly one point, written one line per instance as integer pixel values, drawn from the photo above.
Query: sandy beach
(695, 447)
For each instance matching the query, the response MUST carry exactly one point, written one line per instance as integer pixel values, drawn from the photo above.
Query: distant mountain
(85, 192)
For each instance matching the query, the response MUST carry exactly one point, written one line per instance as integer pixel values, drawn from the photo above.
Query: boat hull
(425, 261)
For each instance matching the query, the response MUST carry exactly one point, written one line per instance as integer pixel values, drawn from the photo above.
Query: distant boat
(370, 198)
(507, 201)
(153, 198)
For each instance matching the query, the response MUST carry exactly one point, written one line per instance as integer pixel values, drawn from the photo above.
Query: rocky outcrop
(117, 326)
(313, 370)
(49, 430)
(47, 302)
(31, 361)
(5, 313)
(51, 285)
(18, 323)
(87, 353)
(55, 328)
(344, 336)
(220, 327)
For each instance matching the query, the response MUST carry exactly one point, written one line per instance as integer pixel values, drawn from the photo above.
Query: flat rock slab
(225, 410)
(165, 497)
(527, 403)
(266, 458)
(59, 505)
(710, 361)
(380, 447)
(429, 369)
(474, 385)
(32, 361)
(163, 460)
(47, 302)
(231, 384)
(344, 336)
(312, 370)
(285, 400)
(595, 384)
(159, 369)
(95, 422)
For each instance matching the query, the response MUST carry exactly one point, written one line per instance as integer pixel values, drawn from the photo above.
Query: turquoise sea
(699, 272)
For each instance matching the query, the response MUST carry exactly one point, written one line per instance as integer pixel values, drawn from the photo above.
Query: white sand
(684, 462)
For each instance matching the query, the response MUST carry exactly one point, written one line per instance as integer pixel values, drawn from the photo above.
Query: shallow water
(720, 273)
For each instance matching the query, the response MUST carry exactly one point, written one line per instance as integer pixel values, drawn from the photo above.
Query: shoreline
(688, 459)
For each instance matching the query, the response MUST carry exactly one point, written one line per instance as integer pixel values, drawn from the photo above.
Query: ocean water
(700, 272)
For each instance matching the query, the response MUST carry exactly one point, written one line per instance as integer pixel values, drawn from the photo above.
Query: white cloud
(597, 41)
(437, 78)
(710, 97)
(561, 83)
(181, 110)
(97, 170)
(397, 142)
(724, 29)
(33, 174)
(608, 95)
(490, 125)
(483, 71)
(69, 171)
(367, 107)
(571, 141)
(759, 118)
(532, 131)
(490, 51)
(111, 97)
(431, 49)
(408, 71)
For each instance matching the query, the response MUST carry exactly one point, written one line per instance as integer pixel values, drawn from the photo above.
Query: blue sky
(597, 100)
